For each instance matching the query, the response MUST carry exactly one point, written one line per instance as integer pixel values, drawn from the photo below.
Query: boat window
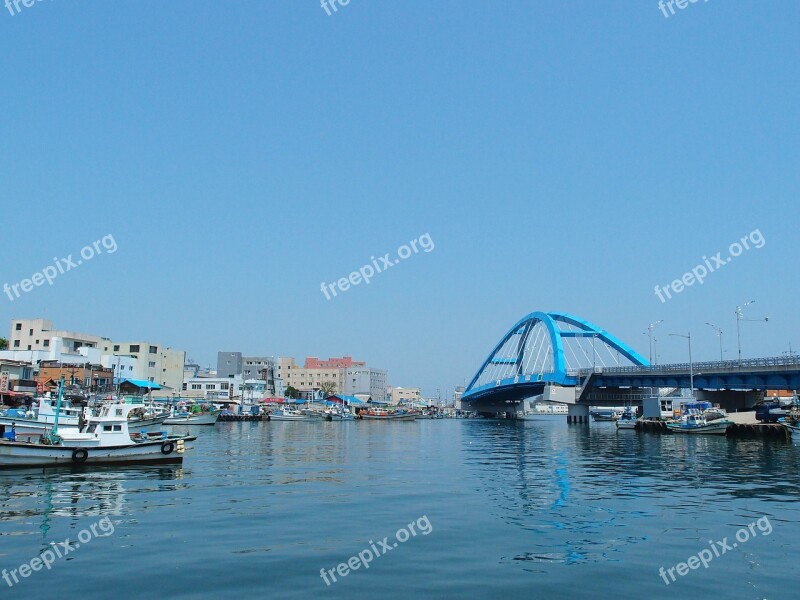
(106, 427)
(92, 428)
(117, 427)
(119, 412)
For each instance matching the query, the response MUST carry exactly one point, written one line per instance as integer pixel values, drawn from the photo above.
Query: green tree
(328, 388)
(292, 392)
(3, 344)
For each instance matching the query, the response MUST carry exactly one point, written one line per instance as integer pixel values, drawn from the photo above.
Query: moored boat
(627, 420)
(187, 418)
(106, 440)
(379, 414)
(699, 418)
(290, 414)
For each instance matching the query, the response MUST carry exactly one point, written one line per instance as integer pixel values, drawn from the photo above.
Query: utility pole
(719, 334)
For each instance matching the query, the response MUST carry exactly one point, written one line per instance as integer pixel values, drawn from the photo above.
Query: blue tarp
(348, 399)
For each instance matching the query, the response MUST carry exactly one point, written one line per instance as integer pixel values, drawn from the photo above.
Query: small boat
(698, 418)
(188, 418)
(107, 440)
(290, 414)
(603, 415)
(338, 414)
(379, 414)
(793, 429)
(627, 420)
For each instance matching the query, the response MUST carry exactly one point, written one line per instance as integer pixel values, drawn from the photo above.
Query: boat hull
(713, 428)
(794, 433)
(625, 424)
(21, 454)
(388, 417)
(207, 419)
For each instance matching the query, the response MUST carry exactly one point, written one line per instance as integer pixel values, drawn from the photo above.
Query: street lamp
(649, 333)
(691, 367)
(719, 333)
(739, 319)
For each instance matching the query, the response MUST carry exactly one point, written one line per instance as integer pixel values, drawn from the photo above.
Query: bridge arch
(547, 347)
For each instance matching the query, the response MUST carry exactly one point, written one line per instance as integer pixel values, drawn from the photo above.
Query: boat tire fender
(167, 448)
(79, 455)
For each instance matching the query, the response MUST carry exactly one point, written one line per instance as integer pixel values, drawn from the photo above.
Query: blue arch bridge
(558, 357)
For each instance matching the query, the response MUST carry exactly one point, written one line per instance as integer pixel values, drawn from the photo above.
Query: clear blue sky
(562, 156)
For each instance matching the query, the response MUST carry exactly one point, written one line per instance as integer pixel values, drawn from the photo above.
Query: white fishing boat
(290, 414)
(188, 418)
(339, 414)
(107, 440)
(35, 423)
(627, 420)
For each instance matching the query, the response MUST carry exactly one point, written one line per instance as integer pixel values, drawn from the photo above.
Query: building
(261, 368)
(312, 362)
(154, 363)
(309, 380)
(406, 395)
(36, 334)
(212, 388)
(16, 381)
(145, 360)
(229, 364)
(365, 381)
(90, 376)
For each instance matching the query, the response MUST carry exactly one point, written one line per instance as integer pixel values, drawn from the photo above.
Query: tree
(328, 388)
(292, 392)
(3, 344)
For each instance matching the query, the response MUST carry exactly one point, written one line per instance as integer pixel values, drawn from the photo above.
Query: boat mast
(58, 405)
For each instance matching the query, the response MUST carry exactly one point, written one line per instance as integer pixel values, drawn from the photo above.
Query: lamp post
(739, 319)
(719, 334)
(691, 366)
(650, 329)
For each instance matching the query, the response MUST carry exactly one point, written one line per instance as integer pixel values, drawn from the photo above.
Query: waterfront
(517, 509)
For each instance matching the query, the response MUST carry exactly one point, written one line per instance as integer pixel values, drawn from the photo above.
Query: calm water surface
(516, 510)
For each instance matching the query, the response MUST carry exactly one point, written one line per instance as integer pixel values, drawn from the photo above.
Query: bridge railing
(726, 365)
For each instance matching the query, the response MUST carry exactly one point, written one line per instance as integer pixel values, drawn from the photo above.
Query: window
(37, 342)
(19, 327)
(153, 349)
(152, 363)
(29, 346)
(133, 349)
(184, 387)
(47, 343)
(197, 386)
(223, 386)
(30, 332)
(106, 427)
(211, 386)
(116, 347)
(117, 427)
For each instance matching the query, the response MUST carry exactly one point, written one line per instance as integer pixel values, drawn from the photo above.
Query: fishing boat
(107, 440)
(627, 420)
(36, 423)
(290, 414)
(603, 415)
(701, 418)
(380, 414)
(339, 414)
(793, 430)
(189, 418)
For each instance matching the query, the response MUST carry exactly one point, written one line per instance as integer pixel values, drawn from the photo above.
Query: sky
(560, 156)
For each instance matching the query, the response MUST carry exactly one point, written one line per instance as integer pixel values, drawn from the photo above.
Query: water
(516, 510)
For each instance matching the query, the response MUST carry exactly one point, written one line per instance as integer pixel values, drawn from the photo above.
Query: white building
(362, 381)
(212, 388)
(406, 395)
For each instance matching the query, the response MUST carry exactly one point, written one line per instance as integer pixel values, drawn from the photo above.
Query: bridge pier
(578, 413)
